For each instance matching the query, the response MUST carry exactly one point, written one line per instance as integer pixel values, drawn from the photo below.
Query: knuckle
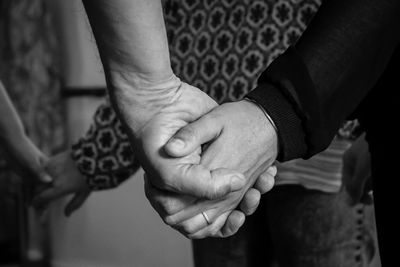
(187, 228)
(170, 220)
(193, 236)
(169, 207)
(213, 232)
(213, 190)
(162, 205)
(210, 194)
(217, 190)
(187, 133)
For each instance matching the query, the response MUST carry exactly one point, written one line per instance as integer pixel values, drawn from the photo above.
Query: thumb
(192, 136)
(44, 177)
(200, 182)
(41, 171)
(76, 202)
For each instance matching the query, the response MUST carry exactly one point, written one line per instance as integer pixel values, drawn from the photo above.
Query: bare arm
(25, 158)
(133, 47)
(10, 123)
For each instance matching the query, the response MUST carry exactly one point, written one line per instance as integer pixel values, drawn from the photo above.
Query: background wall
(116, 228)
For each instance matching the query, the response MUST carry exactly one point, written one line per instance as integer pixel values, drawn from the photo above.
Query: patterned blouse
(219, 46)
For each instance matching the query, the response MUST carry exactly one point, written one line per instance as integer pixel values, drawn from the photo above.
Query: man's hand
(356, 173)
(234, 136)
(67, 180)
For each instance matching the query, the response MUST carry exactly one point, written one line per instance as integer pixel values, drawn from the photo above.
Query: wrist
(138, 98)
(269, 132)
(265, 113)
(265, 116)
(12, 139)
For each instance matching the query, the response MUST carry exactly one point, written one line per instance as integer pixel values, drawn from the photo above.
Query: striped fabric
(322, 172)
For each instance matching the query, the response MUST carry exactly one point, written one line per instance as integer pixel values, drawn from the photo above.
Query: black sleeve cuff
(288, 94)
(290, 131)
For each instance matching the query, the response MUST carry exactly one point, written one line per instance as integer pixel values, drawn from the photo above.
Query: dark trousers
(296, 227)
(379, 114)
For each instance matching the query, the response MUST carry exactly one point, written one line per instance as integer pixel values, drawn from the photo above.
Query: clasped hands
(201, 160)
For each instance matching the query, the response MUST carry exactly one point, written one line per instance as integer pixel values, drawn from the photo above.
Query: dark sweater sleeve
(328, 72)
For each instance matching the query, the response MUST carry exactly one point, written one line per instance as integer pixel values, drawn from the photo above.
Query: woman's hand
(223, 216)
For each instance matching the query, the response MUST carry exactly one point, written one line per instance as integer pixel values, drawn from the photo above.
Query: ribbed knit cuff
(290, 130)
(295, 105)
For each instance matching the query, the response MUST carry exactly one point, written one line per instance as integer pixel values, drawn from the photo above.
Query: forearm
(133, 47)
(11, 127)
(331, 68)
(346, 49)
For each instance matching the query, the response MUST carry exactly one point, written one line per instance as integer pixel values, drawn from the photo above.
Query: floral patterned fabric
(223, 46)
(104, 154)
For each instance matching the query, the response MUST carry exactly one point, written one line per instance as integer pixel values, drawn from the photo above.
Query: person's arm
(153, 104)
(150, 101)
(10, 123)
(306, 101)
(25, 158)
(310, 89)
(104, 155)
(133, 47)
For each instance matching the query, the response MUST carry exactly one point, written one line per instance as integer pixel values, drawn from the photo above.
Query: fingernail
(237, 182)
(177, 143)
(47, 178)
(242, 220)
(273, 171)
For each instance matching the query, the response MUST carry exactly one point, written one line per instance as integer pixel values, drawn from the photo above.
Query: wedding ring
(206, 218)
